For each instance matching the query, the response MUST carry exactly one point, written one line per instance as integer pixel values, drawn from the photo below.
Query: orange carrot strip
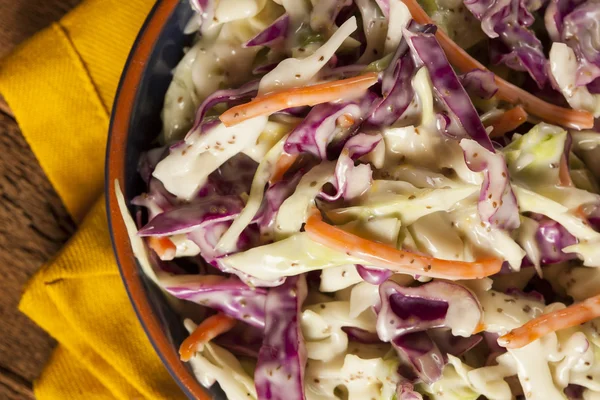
(508, 121)
(284, 163)
(480, 328)
(397, 260)
(163, 246)
(573, 315)
(564, 177)
(296, 97)
(506, 91)
(209, 329)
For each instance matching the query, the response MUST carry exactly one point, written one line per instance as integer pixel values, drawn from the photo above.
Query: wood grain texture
(33, 222)
(19, 19)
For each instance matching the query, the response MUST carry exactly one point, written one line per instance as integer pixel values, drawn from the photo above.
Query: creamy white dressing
(424, 201)
(213, 363)
(407, 207)
(294, 72)
(188, 165)
(401, 16)
(294, 210)
(184, 247)
(322, 328)
(435, 235)
(338, 278)
(364, 372)
(486, 240)
(272, 261)
(503, 312)
(533, 202)
(228, 241)
(272, 134)
(375, 27)
(563, 68)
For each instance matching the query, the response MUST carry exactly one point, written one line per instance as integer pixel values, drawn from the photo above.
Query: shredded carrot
(345, 121)
(580, 213)
(284, 163)
(397, 260)
(480, 328)
(573, 315)
(296, 97)
(564, 177)
(508, 121)
(457, 56)
(209, 329)
(163, 246)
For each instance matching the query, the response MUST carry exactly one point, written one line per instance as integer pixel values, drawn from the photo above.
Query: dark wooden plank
(33, 222)
(19, 19)
(14, 387)
(33, 227)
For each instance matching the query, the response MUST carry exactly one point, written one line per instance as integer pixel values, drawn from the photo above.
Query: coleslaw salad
(366, 200)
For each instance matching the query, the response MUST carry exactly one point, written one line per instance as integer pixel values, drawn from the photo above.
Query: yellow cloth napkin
(60, 85)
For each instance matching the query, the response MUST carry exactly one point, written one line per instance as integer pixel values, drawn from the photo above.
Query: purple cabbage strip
(551, 238)
(157, 200)
(274, 32)
(521, 50)
(207, 236)
(497, 202)
(491, 341)
(398, 98)
(199, 6)
(455, 345)
(407, 313)
(384, 6)
(264, 68)
(432, 305)
(230, 296)
(149, 160)
(279, 373)
(234, 177)
(360, 335)
(315, 132)
(594, 86)
(325, 12)
(555, 14)
(421, 352)
(243, 340)
(574, 392)
(406, 391)
(373, 275)
(188, 217)
(532, 295)
(446, 85)
(396, 83)
(275, 195)
(581, 32)
(517, 46)
(479, 83)
(228, 96)
(349, 180)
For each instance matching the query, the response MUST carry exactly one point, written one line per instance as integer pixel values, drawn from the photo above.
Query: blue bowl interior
(145, 126)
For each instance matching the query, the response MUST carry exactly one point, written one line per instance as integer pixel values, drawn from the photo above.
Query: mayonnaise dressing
(322, 328)
(294, 72)
(188, 165)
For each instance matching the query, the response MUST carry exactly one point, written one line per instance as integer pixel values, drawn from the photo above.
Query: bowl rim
(115, 170)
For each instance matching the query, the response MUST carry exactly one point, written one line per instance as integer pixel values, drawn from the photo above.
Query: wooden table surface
(33, 222)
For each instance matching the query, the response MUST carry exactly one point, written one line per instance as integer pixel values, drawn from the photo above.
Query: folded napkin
(60, 85)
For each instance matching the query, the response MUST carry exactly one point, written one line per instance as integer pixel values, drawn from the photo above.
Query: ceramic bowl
(135, 123)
